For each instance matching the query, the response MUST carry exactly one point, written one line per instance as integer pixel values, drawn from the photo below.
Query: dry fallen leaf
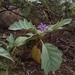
(36, 54)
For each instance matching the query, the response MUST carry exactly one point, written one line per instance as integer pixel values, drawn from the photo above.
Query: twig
(14, 12)
(2, 11)
(26, 70)
(41, 41)
(15, 7)
(70, 70)
(46, 16)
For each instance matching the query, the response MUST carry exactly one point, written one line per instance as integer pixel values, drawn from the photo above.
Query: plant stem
(41, 41)
(13, 51)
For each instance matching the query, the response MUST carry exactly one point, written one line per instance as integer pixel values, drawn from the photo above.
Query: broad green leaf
(26, 11)
(29, 34)
(32, 36)
(62, 23)
(10, 39)
(5, 54)
(22, 25)
(58, 25)
(20, 41)
(50, 28)
(36, 54)
(51, 58)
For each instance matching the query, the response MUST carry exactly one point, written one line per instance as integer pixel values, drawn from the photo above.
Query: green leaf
(22, 25)
(37, 1)
(26, 11)
(50, 28)
(72, 6)
(51, 58)
(32, 36)
(20, 41)
(5, 54)
(62, 23)
(3, 43)
(10, 39)
(62, 2)
(58, 25)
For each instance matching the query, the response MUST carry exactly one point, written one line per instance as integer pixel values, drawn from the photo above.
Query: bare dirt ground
(64, 40)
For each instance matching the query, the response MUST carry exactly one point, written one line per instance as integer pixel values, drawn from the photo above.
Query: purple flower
(42, 27)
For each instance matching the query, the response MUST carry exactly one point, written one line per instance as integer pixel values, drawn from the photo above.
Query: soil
(64, 40)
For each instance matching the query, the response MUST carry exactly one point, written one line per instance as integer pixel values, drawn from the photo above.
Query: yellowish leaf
(36, 54)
